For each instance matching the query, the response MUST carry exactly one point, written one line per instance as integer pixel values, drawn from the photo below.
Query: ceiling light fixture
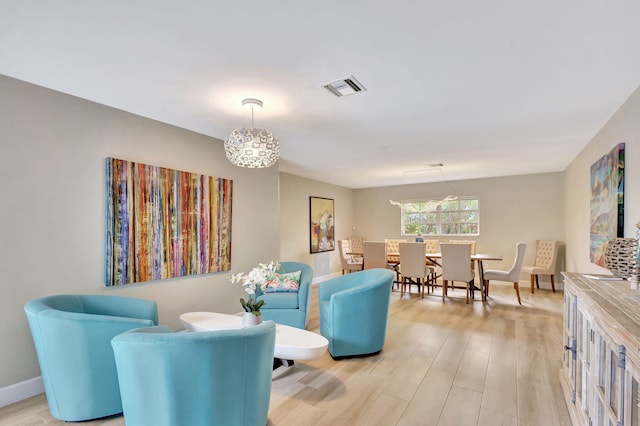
(254, 147)
(431, 205)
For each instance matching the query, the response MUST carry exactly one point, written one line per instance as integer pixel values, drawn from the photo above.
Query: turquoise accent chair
(354, 310)
(289, 308)
(72, 336)
(203, 378)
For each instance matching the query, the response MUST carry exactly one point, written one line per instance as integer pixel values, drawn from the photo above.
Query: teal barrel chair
(354, 310)
(289, 308)
(204, 378)
(72, 336)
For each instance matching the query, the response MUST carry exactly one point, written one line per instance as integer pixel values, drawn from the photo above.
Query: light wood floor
(442, 364)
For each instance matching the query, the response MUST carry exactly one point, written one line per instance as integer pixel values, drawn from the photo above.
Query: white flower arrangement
(258, 276)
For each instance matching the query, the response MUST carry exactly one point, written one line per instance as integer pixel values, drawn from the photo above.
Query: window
(441, 217)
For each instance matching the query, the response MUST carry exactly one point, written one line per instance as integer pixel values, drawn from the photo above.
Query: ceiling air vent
(345, 86)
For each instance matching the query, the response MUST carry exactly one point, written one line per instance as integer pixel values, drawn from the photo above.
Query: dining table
(479, 258)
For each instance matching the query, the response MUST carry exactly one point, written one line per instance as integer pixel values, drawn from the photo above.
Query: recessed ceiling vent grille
(345, 86)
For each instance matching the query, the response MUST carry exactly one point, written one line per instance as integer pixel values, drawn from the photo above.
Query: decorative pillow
(289, 282)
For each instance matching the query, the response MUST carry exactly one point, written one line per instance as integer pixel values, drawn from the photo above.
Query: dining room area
(430, 264)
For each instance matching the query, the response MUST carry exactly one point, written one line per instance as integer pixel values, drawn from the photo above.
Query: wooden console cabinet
(600, 375)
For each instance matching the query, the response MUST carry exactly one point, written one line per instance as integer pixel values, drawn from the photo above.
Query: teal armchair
(354, 310)
(72, 336)
(204, 378)
(289, 308)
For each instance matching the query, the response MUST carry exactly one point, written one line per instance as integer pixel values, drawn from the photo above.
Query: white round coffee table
(291, 343)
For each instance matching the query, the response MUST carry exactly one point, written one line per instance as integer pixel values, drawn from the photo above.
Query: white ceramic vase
(249, 319)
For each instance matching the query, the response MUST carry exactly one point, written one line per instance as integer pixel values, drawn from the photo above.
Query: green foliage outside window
(436, 217)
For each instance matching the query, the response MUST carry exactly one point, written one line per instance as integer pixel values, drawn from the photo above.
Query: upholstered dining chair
(393, 248)
(456, 259)
(393, 257)
(431, 246)
(544, 262)
(72, 335)
(472, 243)
(202, 378)
(348, 261)
(413, 267)
(375, 254)
(512, 275)
(356, 247)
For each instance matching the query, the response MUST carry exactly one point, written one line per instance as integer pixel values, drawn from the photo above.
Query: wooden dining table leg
(483, 289)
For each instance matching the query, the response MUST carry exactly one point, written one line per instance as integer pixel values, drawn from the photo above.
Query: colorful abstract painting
(321, 224)
(164, 223)
(607, 202)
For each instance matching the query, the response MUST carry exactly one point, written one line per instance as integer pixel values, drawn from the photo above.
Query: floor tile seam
(445, 403)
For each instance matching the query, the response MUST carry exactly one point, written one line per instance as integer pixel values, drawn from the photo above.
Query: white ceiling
(487, 87)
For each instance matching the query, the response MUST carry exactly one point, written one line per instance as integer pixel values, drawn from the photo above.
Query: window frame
(439, 213)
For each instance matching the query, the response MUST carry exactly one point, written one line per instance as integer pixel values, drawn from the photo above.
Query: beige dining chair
(392, 250)
(456, 259)
(356, 247)
(512, 275)
(431, 246)
(544, 262)
(375, 254)
(393, 258)
(472, 243)
(413, 267)
(349, 262)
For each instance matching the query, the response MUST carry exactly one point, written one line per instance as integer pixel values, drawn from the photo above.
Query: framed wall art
(321, 224)
(607, 202)
(163, 223)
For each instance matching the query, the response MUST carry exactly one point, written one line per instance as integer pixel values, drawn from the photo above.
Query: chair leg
(444, 289)
(532, 282)
(553, 284)
(468, 289)
(537, 283)
(517, 288)
(486, 287)
(422, 284)
(472, 289)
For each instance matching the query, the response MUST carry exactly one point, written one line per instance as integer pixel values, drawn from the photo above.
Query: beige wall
(52, 152)
(624, 126)
(294, 221)
(512, 209)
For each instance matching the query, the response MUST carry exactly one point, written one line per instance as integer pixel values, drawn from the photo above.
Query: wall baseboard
(319, 279)
(19, 391)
